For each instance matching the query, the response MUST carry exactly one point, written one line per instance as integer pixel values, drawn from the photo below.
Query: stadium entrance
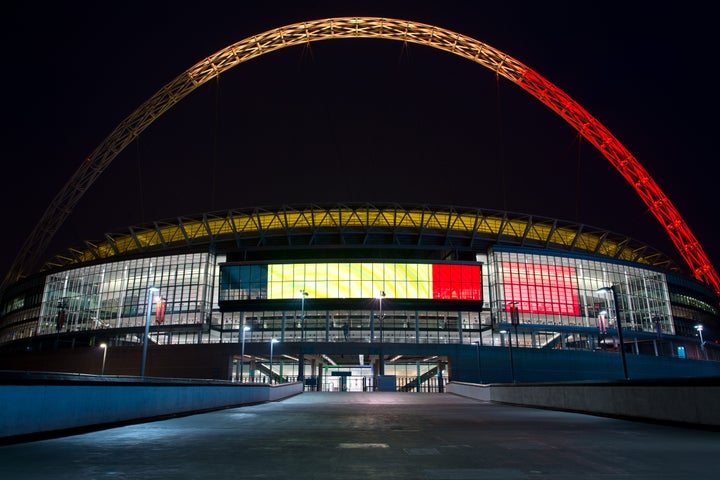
(346, 373)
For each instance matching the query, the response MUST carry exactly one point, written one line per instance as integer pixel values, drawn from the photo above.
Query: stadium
(353, 294)
(363, 296)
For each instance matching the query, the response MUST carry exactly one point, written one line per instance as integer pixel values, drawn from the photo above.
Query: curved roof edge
(455, 226)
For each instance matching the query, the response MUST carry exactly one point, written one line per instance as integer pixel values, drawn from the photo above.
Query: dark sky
(357, 120)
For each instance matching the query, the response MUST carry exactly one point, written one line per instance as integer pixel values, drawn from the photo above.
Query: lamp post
(380, 296)
(699, 328)
(303, 294)
(612, 290)
(515, 318)
(273, 341)
(150, 292)
(512, 362)
(243, 329)
(658, 331)
(104, 347)
(477, 343)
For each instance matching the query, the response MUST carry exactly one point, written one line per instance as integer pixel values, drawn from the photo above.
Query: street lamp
(303, 294)
(104, 347)
(699, 328)
(512, 362)
(477, 343)
(150, 292)
(273, 341)
(515, 318)
(243, 329)
(380, 296)
(658, 331)
(611, 289)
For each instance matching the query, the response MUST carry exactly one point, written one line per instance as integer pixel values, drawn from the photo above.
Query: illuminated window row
(353, 325)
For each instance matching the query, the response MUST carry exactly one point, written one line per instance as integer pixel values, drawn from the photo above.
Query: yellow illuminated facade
(351, 280)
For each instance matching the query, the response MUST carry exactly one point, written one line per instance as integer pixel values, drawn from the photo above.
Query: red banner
(160, 305)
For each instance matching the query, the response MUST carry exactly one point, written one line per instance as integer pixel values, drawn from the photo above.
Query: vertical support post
(243, 329)
(150, 292)
(612, 290)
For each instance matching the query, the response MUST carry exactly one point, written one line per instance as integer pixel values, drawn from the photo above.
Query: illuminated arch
(367, 27)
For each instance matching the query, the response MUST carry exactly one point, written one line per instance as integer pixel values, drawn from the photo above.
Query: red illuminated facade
(456, 282)
(544, 289)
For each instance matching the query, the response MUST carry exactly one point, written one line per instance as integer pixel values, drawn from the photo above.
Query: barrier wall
(693, 402)
(34, 406)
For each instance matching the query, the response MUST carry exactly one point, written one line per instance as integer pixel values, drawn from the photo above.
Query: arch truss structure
(379, 28)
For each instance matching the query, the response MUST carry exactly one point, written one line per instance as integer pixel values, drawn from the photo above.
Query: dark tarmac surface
(373, 435)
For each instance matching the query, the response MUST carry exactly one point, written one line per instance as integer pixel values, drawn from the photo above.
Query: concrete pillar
(376, 370)
(301, 368)
(320, 377)
(441, 380)
(313, 370)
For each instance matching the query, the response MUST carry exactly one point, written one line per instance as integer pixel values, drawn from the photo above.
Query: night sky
(357, 120)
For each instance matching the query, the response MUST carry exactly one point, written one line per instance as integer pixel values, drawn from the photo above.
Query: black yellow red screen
(368, 280)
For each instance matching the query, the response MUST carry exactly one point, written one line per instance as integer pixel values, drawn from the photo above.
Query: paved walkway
(373, 436)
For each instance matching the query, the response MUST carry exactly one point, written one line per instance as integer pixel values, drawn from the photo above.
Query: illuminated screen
(367, 280)
(541, 288)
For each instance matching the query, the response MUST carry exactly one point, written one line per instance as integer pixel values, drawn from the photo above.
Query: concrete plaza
(373, 435)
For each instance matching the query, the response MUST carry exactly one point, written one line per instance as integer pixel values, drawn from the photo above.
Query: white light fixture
(104, 347)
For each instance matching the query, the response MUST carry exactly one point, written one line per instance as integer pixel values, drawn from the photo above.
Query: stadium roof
(423, 226)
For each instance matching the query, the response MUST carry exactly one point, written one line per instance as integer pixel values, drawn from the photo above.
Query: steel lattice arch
(366, 27)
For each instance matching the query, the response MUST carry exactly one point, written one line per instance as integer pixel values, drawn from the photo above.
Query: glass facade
(564, 291)
(115, 295)
(202, 298)
(393, 326)
(307, 287)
